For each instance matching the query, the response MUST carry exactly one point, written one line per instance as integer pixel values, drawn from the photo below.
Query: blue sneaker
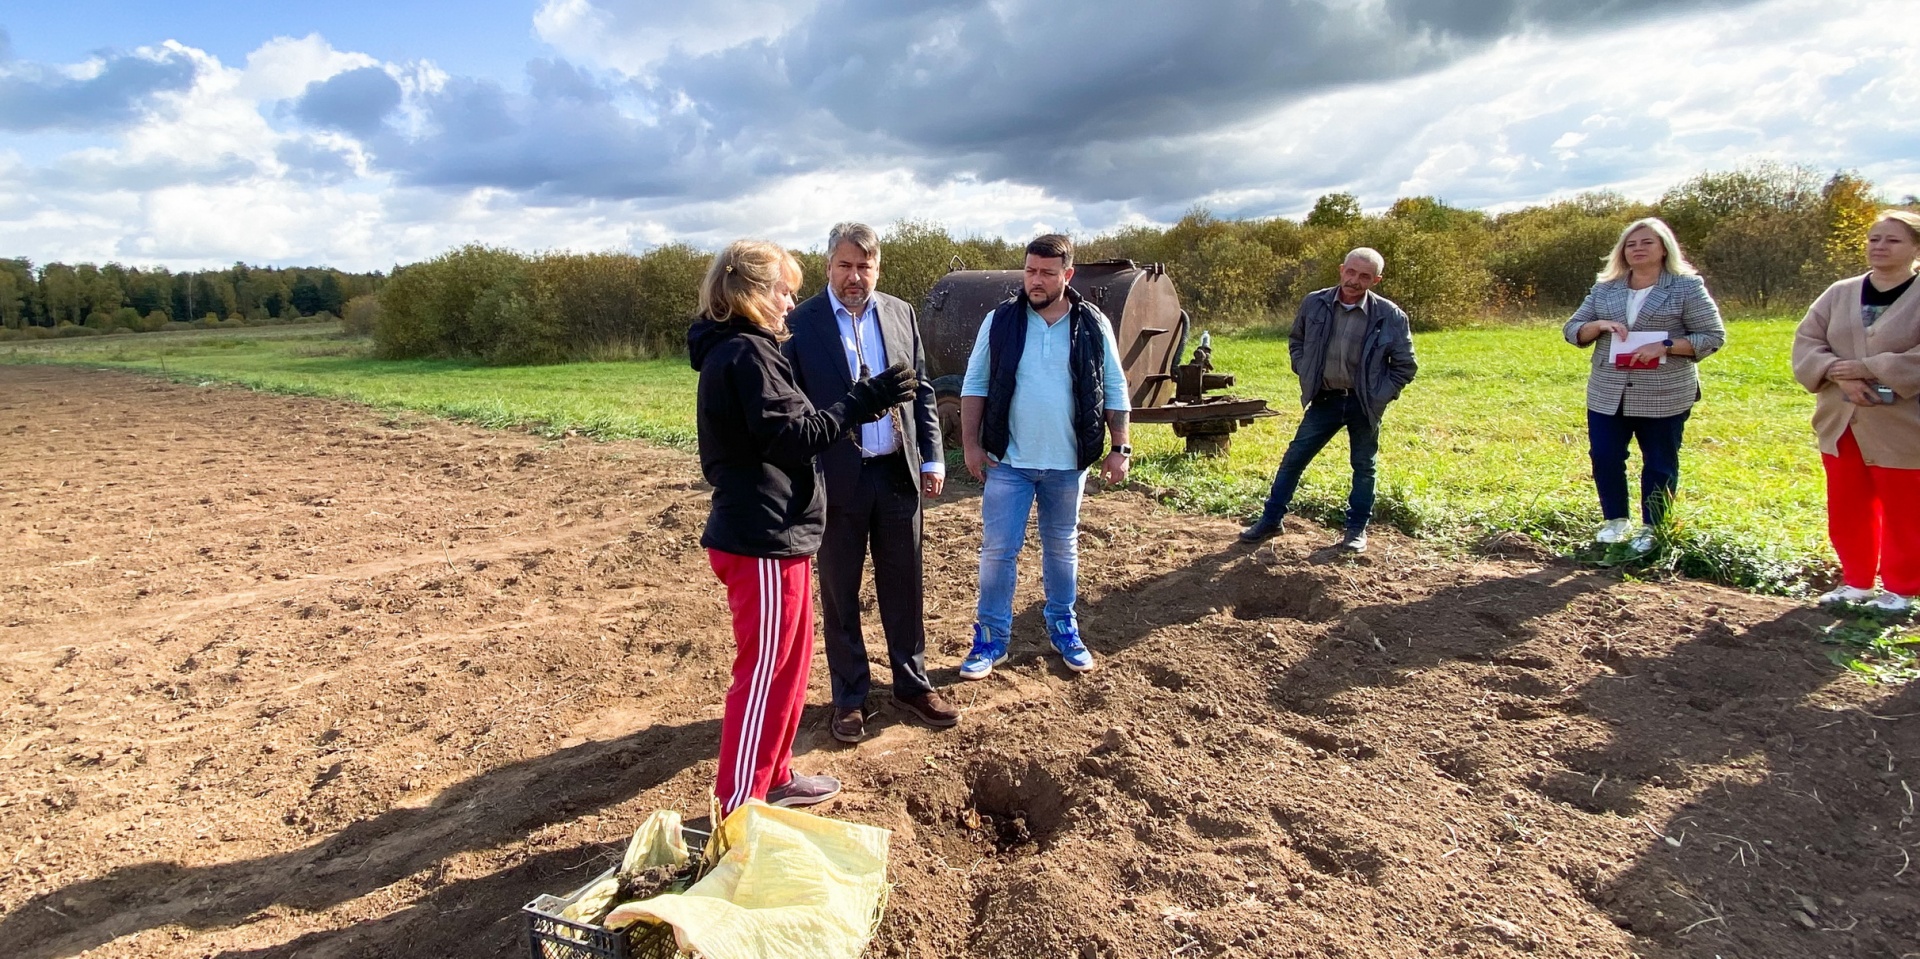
(1066, 639)
(985, 655)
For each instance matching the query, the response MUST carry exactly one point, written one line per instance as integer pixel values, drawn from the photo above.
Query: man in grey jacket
(1353, 352)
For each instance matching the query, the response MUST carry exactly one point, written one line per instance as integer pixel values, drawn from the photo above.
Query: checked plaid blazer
(1680, 307)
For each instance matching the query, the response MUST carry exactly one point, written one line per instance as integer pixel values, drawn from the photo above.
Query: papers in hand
(1622, 352)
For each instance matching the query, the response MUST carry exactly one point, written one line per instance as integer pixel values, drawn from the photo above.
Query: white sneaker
(1613, 531)
(1890, 603)
(1845, 594)
(1642, 541)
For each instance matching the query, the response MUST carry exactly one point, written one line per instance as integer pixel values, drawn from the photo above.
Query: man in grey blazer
(874, 480)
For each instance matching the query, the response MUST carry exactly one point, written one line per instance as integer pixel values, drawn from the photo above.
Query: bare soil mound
(289, 677)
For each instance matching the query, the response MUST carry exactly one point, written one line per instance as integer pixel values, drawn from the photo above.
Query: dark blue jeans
(1326, 416)
(1659, 439)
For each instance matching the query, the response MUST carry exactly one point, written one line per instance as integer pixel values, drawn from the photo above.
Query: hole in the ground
(1166, 678)
(1015, 803)
(1258, 594)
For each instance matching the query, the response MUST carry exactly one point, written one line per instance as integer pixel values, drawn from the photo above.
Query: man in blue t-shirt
(1044, 387)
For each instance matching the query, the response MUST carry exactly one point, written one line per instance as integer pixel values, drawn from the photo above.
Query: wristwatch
(1124, 449)
(1668, 342)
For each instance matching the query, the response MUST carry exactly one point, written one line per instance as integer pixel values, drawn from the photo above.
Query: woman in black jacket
(758, 438)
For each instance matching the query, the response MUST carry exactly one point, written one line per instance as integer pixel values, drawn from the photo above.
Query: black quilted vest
(1086, 360)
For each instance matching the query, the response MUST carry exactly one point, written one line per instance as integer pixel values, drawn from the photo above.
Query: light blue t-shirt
(1040, 422)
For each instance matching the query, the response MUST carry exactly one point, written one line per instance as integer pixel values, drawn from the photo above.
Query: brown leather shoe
(849, 725)
(932, 708)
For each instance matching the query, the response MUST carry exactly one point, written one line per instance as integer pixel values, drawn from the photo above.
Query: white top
(1634, 299)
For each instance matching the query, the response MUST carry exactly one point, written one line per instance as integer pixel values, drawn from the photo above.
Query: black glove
(872, 397)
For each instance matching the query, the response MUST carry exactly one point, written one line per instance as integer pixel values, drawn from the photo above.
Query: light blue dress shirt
(877, 438)
(1040, 422)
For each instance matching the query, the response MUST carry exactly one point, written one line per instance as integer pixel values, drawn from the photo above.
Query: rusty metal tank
(1149, 327)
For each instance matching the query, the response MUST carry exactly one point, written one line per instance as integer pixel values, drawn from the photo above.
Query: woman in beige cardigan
(1859, 349)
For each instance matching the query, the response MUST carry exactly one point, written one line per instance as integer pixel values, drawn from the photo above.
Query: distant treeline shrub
(506, 307)
(1767, 237)
(502, 306)
(115, 297)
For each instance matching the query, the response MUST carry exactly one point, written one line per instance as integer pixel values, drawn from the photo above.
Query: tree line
(85, 297)
(1767, 237)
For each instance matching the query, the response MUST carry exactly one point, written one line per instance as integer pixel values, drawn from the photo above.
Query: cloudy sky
(362, 134)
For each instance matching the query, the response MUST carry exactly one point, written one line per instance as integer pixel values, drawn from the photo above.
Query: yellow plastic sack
(658, 842)
(791, 885)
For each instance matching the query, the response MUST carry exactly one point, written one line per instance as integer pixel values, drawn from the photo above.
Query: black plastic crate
(551, 937)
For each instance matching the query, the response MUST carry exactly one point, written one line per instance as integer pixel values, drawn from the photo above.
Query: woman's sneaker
(1066, 639)
(804, 791)
(1890, 603)
(1845, 595)
(1613, 531)
(985, 655)
(1642, 541)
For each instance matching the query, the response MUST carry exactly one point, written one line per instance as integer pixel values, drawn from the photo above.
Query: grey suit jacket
(820, 368)
(1678, 306)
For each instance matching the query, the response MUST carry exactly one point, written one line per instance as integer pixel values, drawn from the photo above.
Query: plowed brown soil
(290, 677)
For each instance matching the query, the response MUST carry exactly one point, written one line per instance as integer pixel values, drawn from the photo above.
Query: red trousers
(1873, 518)
(773, 638)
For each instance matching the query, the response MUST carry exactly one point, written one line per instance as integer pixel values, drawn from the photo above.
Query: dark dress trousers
(872, 504)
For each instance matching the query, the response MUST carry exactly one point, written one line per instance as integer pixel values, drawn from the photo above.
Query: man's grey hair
(1372, 256)
(859, 234)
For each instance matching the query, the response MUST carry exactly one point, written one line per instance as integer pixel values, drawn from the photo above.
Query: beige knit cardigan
(1888, 435)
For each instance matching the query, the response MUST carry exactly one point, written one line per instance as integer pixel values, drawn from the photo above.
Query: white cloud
(282, 67)
(691, 132)
(631, 36)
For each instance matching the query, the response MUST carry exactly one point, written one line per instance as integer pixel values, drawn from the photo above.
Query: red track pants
(773, 637)
(1873, 518)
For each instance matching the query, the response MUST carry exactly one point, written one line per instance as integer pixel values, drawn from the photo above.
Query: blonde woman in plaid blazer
(1647, 286)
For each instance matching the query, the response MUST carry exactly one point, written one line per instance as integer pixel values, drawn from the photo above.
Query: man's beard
(1039, 304)
(856, 300)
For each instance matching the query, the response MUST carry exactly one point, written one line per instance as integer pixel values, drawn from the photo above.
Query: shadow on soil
(1801, 838)
(500, 806)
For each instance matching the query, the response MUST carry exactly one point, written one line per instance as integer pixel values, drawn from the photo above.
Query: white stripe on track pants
(772, 603)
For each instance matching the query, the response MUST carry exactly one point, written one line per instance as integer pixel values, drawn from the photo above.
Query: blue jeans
(1326, 416)
(1659, 437)
(1006, 502)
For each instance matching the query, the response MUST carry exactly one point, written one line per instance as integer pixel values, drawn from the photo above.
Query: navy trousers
(1659, 437)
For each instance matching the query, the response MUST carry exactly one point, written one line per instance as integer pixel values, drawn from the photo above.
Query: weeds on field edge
(1876, 647)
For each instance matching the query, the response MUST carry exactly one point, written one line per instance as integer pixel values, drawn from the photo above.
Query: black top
(758, 437)
(1869, 296)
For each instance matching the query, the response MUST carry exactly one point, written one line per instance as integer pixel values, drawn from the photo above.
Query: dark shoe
(1261, 531)
(804, 791)
(932, 708)
(1352, 541)
(849, 725)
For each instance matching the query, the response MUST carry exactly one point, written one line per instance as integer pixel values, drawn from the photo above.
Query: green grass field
(1490, 437)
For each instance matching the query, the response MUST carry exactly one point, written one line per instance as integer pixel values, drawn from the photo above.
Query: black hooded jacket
(758, 438)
